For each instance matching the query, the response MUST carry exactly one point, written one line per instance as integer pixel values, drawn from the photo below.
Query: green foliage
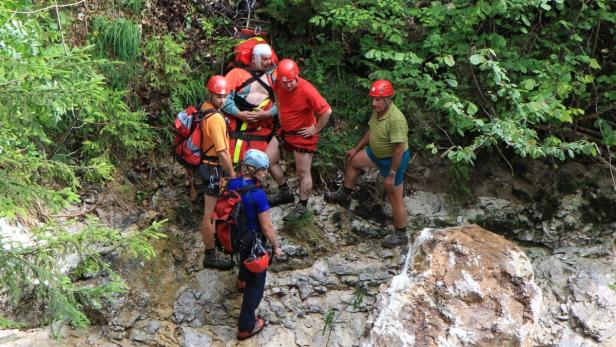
(301, 222)
(9, 324)
(60, 124)
(118, 39)
(135, 6)
(533, 76)
(31, 275)
(331, 317)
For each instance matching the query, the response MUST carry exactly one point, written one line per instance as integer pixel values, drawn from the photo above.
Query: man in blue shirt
(259, 226)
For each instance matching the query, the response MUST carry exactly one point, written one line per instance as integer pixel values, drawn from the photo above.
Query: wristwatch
(392, 173)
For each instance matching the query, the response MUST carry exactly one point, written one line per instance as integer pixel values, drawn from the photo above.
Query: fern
(135, 6)
(120, 38)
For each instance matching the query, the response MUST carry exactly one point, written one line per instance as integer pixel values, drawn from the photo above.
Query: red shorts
(292, 142)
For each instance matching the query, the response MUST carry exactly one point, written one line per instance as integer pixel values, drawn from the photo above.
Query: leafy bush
(533, 76)
(61, 125)
(30, 272)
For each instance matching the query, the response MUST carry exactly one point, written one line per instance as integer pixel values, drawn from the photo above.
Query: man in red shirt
(303, 113)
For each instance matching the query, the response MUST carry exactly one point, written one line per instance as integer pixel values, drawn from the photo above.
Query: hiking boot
(339, 197)
(284, 196)
(396, 238)
(298, 212)
(259, 325)
(216, 262)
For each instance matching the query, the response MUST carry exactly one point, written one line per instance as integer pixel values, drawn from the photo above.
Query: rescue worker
(384, 146)
(216, 163)
(250, 106)
(303, 113)
(252, 272)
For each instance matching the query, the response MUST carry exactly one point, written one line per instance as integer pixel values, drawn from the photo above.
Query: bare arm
(267, 228)
(316, 128)
(225, 160)
(397, 157)
(395, 165)
(323, 119)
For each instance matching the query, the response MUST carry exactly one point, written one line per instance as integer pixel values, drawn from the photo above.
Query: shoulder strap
(205, 114)
(256, 76)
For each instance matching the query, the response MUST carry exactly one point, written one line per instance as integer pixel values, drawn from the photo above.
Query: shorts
(384, 165)
(297, 143)
(210, 176)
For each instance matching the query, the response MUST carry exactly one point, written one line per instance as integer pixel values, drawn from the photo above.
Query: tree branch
(49, 7)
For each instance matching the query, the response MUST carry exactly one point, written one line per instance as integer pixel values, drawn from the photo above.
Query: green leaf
(476, 59)
(452, 83)
(448, 59)
(528, 84)
(471, 108)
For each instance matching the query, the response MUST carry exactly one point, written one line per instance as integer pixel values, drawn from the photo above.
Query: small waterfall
(387, 329)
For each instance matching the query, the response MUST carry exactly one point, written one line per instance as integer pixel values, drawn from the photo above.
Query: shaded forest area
(88, 88)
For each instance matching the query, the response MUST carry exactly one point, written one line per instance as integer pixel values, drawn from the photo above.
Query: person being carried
(384, 146)
(258, 227)
(216, 163)
(303, 113)
(250, 106)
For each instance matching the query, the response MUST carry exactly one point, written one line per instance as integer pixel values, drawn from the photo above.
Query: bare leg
(273, 152)
(396, 199)
(303, 164)
(351, 171)
(207, 225)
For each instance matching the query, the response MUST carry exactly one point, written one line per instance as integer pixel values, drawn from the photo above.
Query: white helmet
(256, 159)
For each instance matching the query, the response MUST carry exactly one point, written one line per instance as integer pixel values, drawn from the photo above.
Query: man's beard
(258, 64)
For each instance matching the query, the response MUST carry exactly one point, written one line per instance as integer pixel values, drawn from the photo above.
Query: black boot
(298, 212)
(340, 197)
(396, 238)
(284, 196)
(213, 260)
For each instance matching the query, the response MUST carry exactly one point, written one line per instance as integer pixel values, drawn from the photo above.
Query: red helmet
(381, 88)
(218, 85)
(287, 70)
(257, 263)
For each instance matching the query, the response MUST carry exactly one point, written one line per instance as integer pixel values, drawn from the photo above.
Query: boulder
(467, 287)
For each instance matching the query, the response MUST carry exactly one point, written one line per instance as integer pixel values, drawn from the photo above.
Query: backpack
(230, 218)
(242, 53)
(187, 142)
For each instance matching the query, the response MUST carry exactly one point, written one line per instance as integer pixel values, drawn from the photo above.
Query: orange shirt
(214, 133)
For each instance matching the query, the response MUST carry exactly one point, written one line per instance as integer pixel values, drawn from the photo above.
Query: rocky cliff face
(448, 296)
(464, 287)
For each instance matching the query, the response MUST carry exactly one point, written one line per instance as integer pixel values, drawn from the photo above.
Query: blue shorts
(384, 165)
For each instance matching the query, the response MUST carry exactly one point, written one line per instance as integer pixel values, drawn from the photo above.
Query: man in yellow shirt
(216, 162)
(386, 148)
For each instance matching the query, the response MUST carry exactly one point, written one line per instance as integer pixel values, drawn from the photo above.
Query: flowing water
(388, 329)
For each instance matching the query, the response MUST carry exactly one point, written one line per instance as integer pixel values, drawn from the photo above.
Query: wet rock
(469, 287)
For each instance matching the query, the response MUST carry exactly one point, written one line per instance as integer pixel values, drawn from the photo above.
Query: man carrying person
(250, 106)
(303, 113)
(384, 146)
(216, 162)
